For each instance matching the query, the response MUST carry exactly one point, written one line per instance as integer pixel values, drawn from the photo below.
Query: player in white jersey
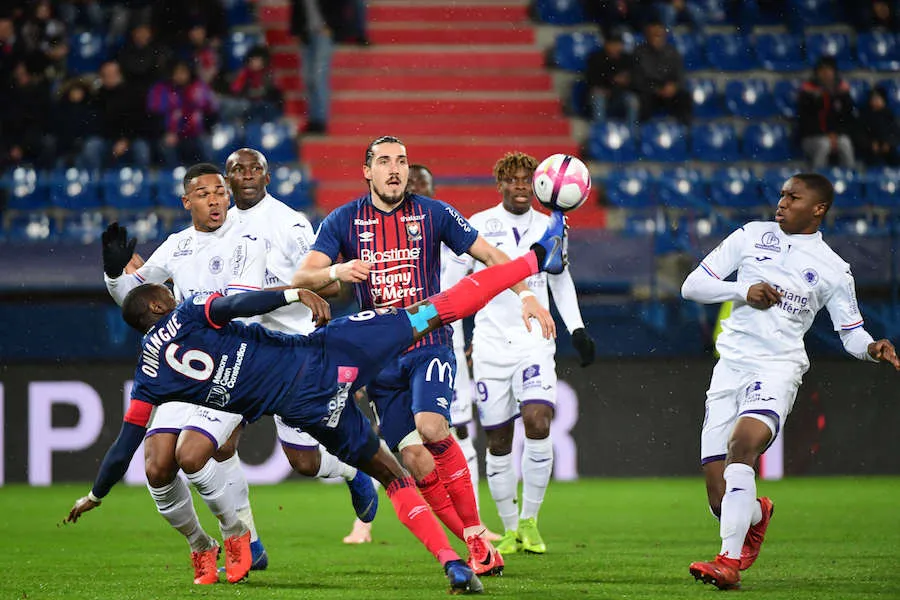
(786, 273)
(216, 254)
(288, 236)
(515, 371)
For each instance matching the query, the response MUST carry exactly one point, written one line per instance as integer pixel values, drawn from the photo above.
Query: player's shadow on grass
(295, 585)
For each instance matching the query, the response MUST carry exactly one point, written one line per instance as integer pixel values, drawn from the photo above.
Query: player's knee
(537, 425)
(305, 462)
(160, 471)
(432, 428)
(499, 441)
(418, 460)
(743, 450)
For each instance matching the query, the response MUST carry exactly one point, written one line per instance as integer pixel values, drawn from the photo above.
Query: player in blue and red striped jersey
(390, 242)
(195, 352)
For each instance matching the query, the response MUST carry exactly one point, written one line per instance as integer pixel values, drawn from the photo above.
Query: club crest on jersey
(493, 228)
(413, 232)
(810, 276)
(184, 248)
(215, 265)
(769, 242)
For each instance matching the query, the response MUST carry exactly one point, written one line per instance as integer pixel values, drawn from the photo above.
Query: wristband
(332, 273)
(292, 295)
(93, 498)
(526, 294)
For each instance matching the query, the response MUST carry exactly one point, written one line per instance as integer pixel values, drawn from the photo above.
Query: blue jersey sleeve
(331, 232)
(455, 230)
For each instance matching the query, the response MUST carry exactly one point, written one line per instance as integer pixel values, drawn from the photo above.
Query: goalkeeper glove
(584, 344)
(117, 249)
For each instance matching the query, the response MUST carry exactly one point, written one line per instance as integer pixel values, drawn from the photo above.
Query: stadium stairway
(461, 82)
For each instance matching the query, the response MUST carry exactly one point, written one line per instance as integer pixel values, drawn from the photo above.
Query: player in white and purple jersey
(390, 242)
(786, 273)
(195, 351)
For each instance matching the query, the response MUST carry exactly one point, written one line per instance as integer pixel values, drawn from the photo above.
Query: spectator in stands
(879, 133)
(143, 60)
(45, 39)
(203, 56)
(173, 19)
(750, 13)
(185, 107)
(615, 14)
(254, 95)
(25, 122)
(679, 12)
(74, 119)
(12, 52)
(319, 24)
(609, 78)
(825, 116)
(124, 14)
(877, 15)
(83, 15)
(122, 134)
(659, 77)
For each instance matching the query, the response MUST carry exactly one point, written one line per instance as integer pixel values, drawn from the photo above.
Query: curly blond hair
(513, 161)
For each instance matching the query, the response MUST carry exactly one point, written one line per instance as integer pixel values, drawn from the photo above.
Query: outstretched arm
(222, 309)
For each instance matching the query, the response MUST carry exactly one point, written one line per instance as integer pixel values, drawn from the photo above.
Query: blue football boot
(554, 244)
(364, 496)
(463, 580)
(260, 556)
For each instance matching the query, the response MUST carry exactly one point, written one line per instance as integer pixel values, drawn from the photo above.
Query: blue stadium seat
(859, 91)
(237, 44)
(707, 101)
(663, 141)
(772, 181)
(892, 87)
(84, 227)
(570, 50)
(74, 189)
(170, 188)
(611, 141)
(629, 188)
(579, 100)
(291, 186)
(767, 142)
(836, 45)
(883, 188)
(25, 189)
(715, 142)
(878, 51)
(559, 12)
(87, 51)
(238, 12)
(691, 47)
(226, 138)
(749, 98)
(127, 189)
(784, 94)
(275, 140)
(848, 188)
(30, 227)
(713, 11)
(730, 52)
(145, 226)
(735, 187)
(813, 12)
(780, 52)
(682, 188)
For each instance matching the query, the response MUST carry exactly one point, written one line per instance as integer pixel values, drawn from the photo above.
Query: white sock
(240, 490)
(502, 482)
(210, 483)
(537, 466)
(757, 513)
(737, 507)
(468, 450)
(174, 503)
(331, 466)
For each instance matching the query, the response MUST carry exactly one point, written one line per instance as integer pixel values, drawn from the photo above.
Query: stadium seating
(630, 188)
(84, 227)
(226, 138)
(275, 140)
(579, 100)
(611, 141)
(87, 51)
(691, 47)
(859, 91)
(784, 94)
(570, 50)
(146, 227)
(682, 188)
(170, 188)
(848, 188)
(812, 12)
(559, 12)
(237, 44)
(74, 189)
(127, 189)
(730, 52)
(883, 188)
(878, 51)
(734, 187)
(892, 87)
(715, 142)
(767, 142)
(25, 189)
(291, 186)
(780, 52)
(749, 98)
(29, 227)
(836, 45)
(707, 101)
(238, 12)
(663, 141)
(771, 182)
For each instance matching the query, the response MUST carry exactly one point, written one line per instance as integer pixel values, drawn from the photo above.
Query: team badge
(770, 242)
(810, 277)
(413, 232)
(215, 265)
(184, 248)
(493, 228)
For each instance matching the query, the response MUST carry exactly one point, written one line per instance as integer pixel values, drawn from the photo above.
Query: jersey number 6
(185, 366)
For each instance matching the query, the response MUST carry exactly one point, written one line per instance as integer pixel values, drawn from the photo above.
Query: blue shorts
(347, 354)
(419, 381)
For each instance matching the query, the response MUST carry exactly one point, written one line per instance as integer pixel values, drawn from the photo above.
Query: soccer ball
(562, 182)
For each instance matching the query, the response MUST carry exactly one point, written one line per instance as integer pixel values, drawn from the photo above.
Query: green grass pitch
(830, 538)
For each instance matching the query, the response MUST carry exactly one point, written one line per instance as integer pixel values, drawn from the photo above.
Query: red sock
(416, 516)
(438, 499)
(472, 293)
(454, 473)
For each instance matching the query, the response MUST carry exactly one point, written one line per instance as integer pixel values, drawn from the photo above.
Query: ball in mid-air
(562, 182)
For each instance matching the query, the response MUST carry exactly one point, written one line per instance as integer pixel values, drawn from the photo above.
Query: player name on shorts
(155, 341)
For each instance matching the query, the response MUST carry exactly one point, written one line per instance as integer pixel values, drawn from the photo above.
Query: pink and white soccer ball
(562, 182)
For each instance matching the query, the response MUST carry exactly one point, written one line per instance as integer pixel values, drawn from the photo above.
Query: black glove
(117, 249)
(584, 343)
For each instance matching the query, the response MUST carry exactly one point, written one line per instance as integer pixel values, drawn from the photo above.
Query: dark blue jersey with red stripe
(403, 246)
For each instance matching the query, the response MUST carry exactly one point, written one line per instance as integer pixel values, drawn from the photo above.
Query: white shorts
(502, 385)
(294, 437)
(173, 417)
(461, 405)
(733, 393)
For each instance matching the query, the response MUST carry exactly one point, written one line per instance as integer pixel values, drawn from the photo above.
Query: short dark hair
(385, 139)
(136, 306)
(197, 170)
(422, 168)
(819, 185)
